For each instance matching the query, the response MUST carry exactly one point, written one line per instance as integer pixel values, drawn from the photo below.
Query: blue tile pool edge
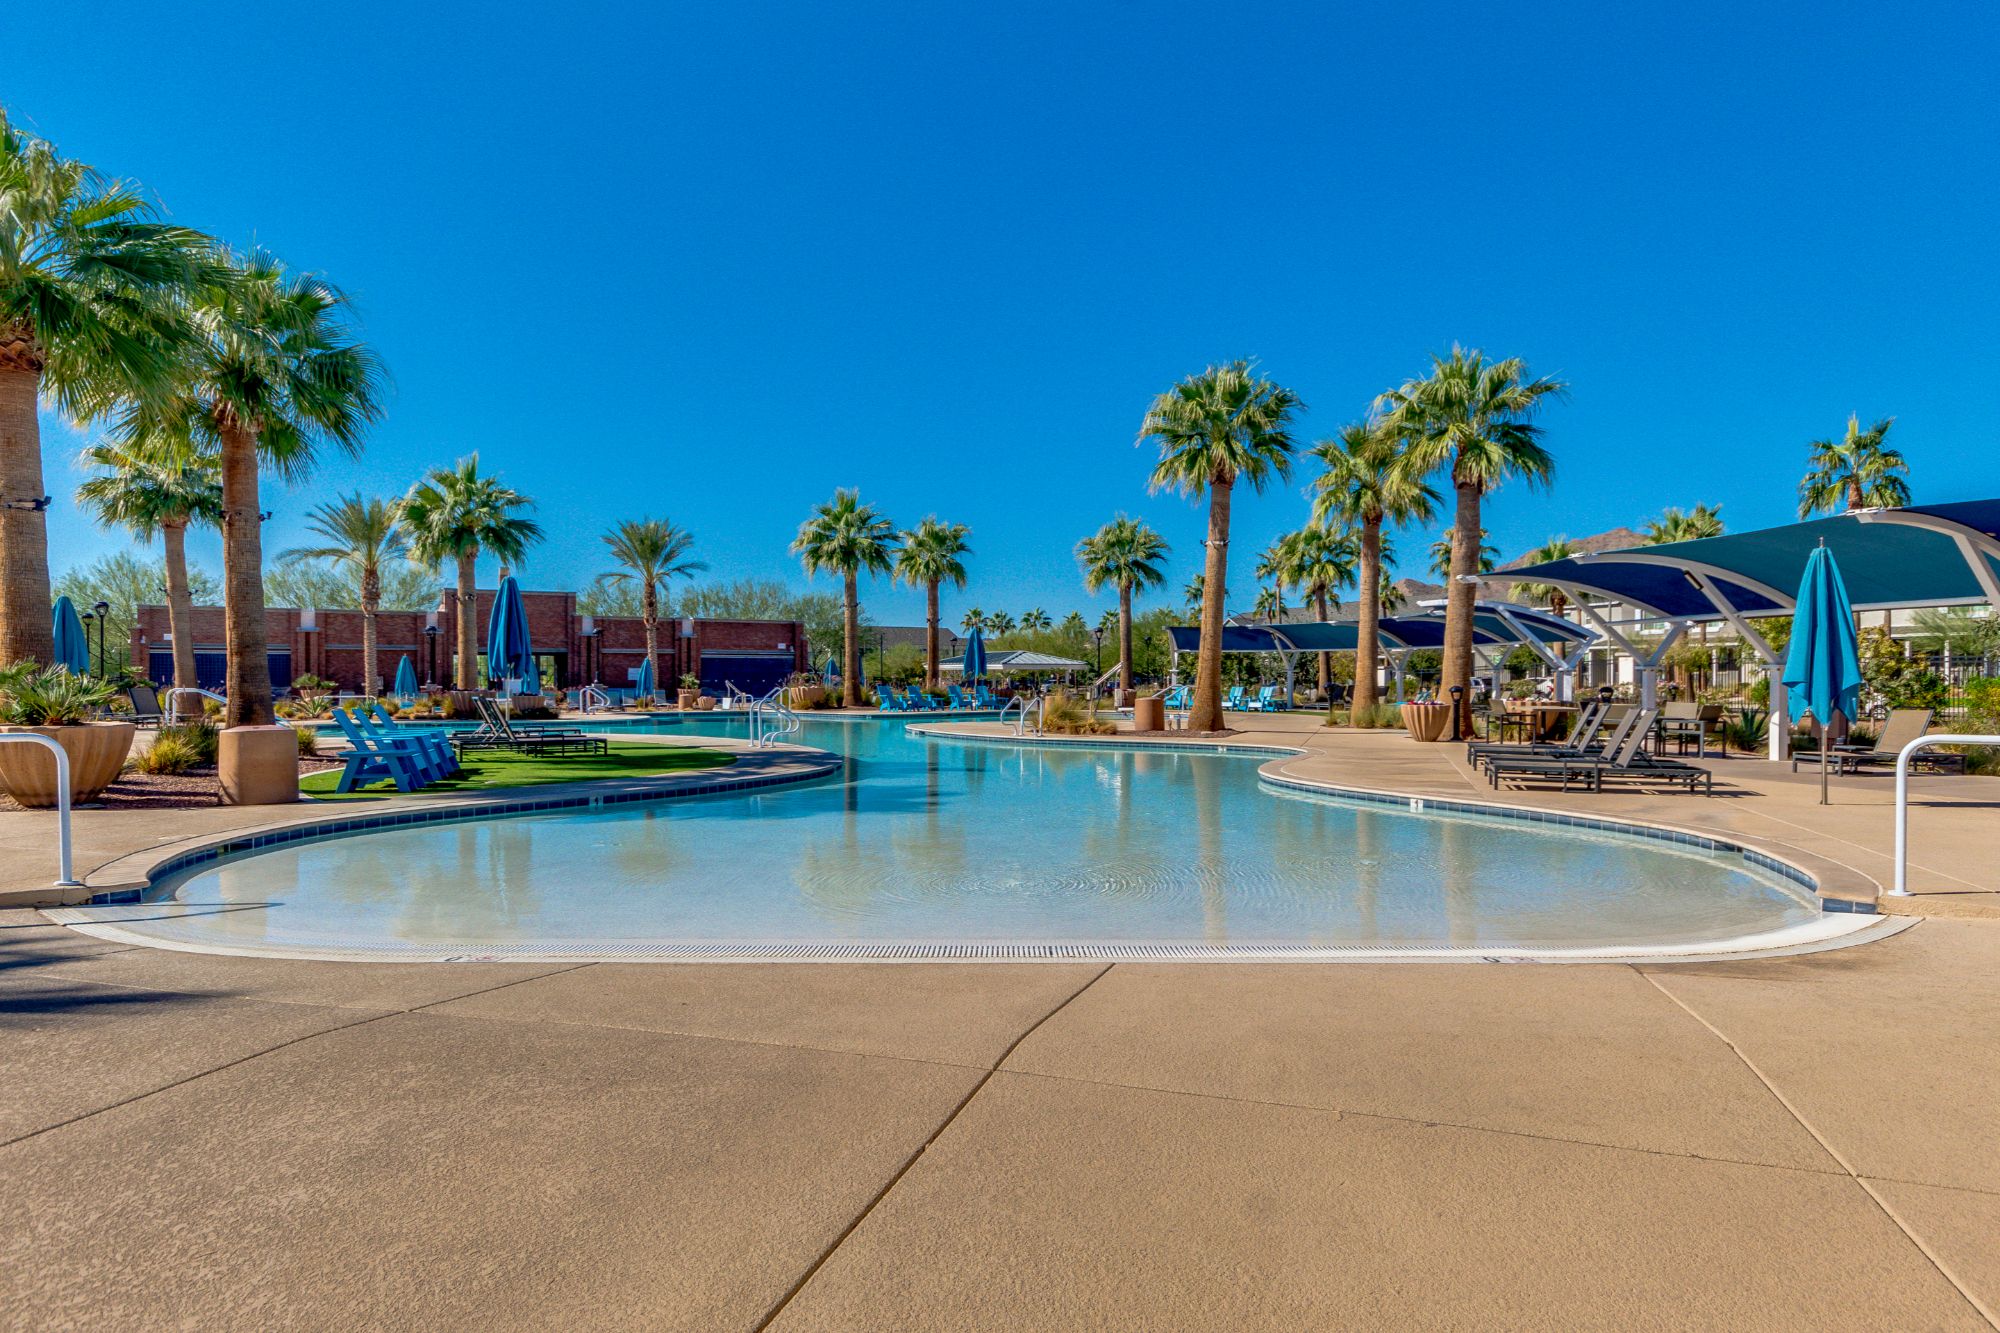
(236, 846)
(1418, 804)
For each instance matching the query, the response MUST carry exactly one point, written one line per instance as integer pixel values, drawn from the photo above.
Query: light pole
(1097, 638)
(431, 656)
(103, 610)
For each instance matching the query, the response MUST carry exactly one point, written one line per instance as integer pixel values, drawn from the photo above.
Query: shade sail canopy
(1494, 624)
(1921, 555)
(1004, 660)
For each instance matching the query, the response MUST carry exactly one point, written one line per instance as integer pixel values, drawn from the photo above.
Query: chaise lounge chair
(496, 732)
(1902, 726)
(1628, 759)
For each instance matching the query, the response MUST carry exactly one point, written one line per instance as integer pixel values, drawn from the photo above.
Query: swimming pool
(937, 847)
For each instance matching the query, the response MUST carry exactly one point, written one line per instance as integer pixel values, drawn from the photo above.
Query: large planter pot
(805, 696)
(1426, 722)
(704, 703)
(258, 765)
(96, 752)
(688, 699)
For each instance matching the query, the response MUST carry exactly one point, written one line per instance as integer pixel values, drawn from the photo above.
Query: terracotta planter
(1426, 722)
(805, 696)
(703, 703)
(688, 699)
(96, 752)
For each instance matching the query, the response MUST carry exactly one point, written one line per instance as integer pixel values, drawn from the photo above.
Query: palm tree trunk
(249, 654)
(468, 620)
(850, 647)
(1368, 644)
(1325, 659)
(1124, 637)
(649, 613)
(27, 632)
(933, 677)
(1206, 714)
(180, 612)
(371, 602)
(1459, 597)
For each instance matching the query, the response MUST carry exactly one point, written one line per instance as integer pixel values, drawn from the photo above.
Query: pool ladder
(1028, 706)
(771, 718)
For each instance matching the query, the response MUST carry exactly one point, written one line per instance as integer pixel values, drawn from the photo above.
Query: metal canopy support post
(1779, 742)
(1398, 663)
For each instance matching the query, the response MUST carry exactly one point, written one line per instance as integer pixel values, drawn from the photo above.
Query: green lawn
(486, 770)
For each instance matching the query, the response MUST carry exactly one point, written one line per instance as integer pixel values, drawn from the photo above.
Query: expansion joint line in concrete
(778, 1307)
(268, 1050)
(1895, 1218)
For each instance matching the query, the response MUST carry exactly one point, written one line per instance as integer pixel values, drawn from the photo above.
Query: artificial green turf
(486, 770)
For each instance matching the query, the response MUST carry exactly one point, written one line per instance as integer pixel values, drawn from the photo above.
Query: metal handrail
(1033, 705)
(1902, 888)
(65, 869)
(764, 734)
(593, 697)
(173, 695)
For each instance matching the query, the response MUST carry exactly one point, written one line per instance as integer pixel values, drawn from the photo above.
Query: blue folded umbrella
(1823, 662)
(406, 680)
(72, 647)
(974, 662)
(645, 682)
(509, 655)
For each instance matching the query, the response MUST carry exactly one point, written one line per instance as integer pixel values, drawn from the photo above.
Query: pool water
(926, 840)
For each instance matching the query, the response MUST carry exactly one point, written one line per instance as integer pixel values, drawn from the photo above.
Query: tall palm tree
(1674, 525)
(1472, 419)
(454, 514)
(1214, 429)
(933, 554)
(999, 623)
(973, 619)
(1124, 554)
(364, 534)
(276, 378)
(1857, 471)
(1441, 553)
(149, 489)
(1270, 604)
(1074, 625)
(89, 315)
(1034, 620)
(845, 537)
(1316, 560)
(1368, 483)
(651, 552)
(1548, 594)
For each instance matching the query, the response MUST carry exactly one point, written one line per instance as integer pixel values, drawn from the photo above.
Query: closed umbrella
(531, 683)
(406, 680)
(832, 669)
(1823, 665)
(973, 664)
(72, 648)
(508, 652)
(645, 682)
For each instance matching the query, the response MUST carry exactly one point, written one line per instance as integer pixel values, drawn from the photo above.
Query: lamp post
(1457, 694)
(430, 656)
(103, 610)
(1097, 638)
(86, 617)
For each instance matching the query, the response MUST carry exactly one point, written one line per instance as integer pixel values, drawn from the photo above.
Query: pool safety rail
(65, 867)
(1902, 886)
(1028, 705)
(771, 718)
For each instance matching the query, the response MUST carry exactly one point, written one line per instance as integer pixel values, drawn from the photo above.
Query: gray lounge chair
(1902, 726)
(1589, 738)
(1626, 759)
(496, 732)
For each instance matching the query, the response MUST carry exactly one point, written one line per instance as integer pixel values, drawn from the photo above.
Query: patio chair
(988, 699)
(435, 743)
(1626, 760)
(1502, 722)
(145, 701)
(369, 757)
(1233, 701)
(1589, 722)
(1902, 726)
(497, 733)
(1591, 746)
(435, 757)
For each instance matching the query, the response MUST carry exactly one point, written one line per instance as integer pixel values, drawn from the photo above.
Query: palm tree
(652, 552)
(1214, 429)
(1316, 560)
(364, 534)
(152, 489)
(454, 514)
(933, 554)
(1074, 626)
(1472, 419)
(88, 316)
(1858, 471)
(973, 619)
(999, 623)
(1673, 525)
(1124, 554)
(1034, 620)
(1367, 483)
(1191, 593)
(846, 537)
(275, 378)
(1441, 551)
(1556, 599)
(1270, 604)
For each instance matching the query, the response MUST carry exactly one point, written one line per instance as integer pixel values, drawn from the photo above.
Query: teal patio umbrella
(72, 647)
(973, 665)
(508, 652)
(832, 668)
(531, 682)
(406, 680)
(644, 685)
(1823, 664)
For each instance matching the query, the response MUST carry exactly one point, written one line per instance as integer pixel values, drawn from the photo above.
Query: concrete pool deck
(239, 1142)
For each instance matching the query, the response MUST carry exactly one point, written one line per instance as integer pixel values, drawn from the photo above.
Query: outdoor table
(1426, 722)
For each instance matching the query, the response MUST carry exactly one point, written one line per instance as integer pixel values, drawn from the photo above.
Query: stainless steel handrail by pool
(1028, 705)
(1902, 887)
(763, 733)
(592, 697)
(65, 870)
(174, 694)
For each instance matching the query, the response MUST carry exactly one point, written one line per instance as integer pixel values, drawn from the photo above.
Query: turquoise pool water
(936, 840)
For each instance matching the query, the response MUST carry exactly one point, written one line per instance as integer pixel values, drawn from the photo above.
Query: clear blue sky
(713, 261)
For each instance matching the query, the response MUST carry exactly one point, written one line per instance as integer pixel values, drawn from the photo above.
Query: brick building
(573, 649)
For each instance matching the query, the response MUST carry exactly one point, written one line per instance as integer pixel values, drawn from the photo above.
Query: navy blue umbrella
(508, 653)
(72, 647)
(1823, 664)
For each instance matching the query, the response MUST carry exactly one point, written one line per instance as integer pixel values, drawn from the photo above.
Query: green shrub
(308, 741)
(32, 696)
(199, 736)
(1749, 734)
(1759, 692)
(169, 754)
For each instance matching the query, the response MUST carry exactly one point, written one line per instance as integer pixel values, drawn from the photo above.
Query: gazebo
(1890, 559)
(1015, 661)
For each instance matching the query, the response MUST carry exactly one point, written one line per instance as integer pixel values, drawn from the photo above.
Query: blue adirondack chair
(1233, 701)
(435, 744)
(402, 762)
(431, 763)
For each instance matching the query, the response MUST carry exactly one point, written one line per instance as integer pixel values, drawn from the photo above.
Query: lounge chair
(1902, 726)
(435, 757)
(1589, 724)
(496, 732)
(434, 742)
(1233, 701)
(145, 702)
(1627, 759)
